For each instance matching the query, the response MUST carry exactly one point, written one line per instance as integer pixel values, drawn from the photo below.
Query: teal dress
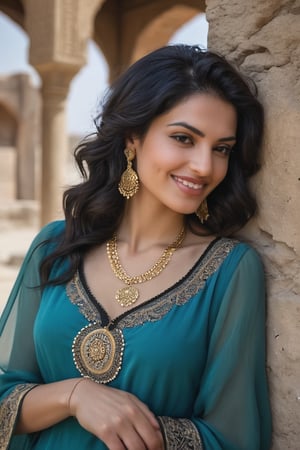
(195, 354)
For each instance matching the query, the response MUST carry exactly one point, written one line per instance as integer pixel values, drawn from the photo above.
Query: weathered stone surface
(282, 266)
(284, 366)
(263, 39)
(278, 185)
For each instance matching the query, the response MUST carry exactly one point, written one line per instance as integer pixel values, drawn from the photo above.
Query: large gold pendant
(127, 296)
(98, 352)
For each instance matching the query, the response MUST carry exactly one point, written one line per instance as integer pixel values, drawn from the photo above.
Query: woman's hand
(116, 417)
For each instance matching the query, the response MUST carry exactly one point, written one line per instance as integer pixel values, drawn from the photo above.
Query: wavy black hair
(150, 87)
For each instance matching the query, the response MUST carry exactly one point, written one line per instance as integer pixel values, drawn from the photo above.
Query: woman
(137, 323)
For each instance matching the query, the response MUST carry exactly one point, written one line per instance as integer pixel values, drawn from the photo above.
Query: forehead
(202, 110)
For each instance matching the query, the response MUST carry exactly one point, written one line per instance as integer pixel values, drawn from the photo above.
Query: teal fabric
(203, 359)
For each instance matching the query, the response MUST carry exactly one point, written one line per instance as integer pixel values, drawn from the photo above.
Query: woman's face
(185, 152)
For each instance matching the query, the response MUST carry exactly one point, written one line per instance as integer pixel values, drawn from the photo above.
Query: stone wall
(263, 39)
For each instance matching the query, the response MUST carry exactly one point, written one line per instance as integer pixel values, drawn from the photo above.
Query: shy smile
(188, 186)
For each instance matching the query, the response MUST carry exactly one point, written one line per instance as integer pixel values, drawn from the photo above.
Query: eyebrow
(199, 132)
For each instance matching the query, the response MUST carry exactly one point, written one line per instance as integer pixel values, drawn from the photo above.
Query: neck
(143, 227)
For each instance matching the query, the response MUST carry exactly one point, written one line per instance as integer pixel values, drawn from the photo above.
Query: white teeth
(189, 184)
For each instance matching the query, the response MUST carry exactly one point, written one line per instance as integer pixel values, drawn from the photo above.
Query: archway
(122, 29)
(160, 30)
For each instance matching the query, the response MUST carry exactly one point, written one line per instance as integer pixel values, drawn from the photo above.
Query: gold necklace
(129, 294)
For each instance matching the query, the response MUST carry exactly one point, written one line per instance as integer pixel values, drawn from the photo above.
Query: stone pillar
(54, 141)
(28, 142)
(58, 31)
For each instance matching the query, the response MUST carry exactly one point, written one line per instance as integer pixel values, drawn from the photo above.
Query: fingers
(116, 417)
(130, 428)
(146, 411)
(137, 431)
(123, 440)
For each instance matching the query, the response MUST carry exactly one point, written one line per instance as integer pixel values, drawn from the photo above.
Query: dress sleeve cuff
(180, 434)
(9, 410)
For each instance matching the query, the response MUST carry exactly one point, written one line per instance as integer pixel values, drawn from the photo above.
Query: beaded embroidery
(180, 434)
(98, 352)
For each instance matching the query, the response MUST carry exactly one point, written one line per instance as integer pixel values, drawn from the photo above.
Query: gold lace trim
(9, 409)
(158, 307)
(180, 434)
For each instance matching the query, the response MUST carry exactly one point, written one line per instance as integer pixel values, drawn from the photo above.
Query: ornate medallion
(98, 352)
(127, 296)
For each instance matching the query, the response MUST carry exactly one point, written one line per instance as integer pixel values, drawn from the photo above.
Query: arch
(193, 32)
(18, 40)
(106, 35)
(86, 89)
(118, 26)
(159, 31)
(14, 9)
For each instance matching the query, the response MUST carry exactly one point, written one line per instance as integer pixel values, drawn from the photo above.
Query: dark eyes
(223, 149)
(187, 140)
(182, 138)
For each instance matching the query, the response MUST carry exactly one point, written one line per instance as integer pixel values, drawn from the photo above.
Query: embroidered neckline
(99, 346)
(157, 307)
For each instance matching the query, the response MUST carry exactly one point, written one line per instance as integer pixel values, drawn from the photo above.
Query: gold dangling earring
(129, 183)
(202, 211)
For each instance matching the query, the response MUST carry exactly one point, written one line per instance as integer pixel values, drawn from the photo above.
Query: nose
(201, 162)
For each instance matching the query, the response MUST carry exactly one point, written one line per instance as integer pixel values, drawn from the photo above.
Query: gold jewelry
(98, 352)
(129, 183)
(129, 294)
(72, 391)
(202, 211)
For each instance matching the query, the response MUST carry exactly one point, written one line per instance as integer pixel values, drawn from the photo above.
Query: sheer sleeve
(19, 370)
(231, 411)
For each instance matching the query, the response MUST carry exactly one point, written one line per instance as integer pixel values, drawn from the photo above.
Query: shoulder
(243, 259)
(50, 231)
(237, 249)
(233, 255)
(47, 237)
(239, 284)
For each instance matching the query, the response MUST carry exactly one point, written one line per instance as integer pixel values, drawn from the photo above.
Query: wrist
(70, 399)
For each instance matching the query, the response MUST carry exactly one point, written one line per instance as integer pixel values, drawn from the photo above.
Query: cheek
(221, 169)
(156, 158)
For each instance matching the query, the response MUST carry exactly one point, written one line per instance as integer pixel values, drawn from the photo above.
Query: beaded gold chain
(129, 294)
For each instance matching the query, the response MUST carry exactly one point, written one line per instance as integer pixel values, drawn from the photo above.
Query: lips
(189, 183)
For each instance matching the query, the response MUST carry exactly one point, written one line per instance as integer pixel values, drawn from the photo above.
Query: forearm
(45, 405)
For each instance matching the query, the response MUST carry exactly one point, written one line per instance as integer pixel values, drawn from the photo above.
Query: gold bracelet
(72, 391)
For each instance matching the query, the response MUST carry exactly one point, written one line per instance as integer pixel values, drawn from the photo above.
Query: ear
(132, 142)
(129, 142)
